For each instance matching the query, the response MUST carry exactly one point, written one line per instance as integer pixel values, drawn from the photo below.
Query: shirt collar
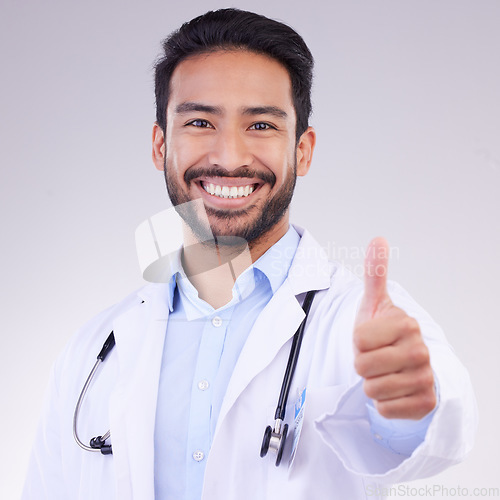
(274, 265)
(276, 262)
(176, 269)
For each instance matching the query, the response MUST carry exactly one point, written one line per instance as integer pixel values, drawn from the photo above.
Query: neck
(213, 267)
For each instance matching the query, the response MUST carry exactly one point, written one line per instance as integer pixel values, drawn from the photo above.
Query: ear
(158, 147)
(305, 149)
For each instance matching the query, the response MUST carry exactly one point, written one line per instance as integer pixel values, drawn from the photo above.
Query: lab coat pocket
(306, 456)
(307, 443)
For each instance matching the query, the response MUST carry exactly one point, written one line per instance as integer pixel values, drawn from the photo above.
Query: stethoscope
(274, 437)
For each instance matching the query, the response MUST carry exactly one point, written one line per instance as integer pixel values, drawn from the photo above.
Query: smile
(228, 191)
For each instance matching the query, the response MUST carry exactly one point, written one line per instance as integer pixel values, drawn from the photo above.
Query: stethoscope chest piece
(274, 440)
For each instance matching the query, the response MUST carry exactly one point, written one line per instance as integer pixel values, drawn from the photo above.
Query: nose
(230, 150)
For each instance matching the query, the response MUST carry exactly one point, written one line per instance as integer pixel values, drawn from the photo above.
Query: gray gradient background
(407, 110)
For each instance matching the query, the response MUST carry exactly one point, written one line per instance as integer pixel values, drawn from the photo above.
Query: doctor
(377, 396)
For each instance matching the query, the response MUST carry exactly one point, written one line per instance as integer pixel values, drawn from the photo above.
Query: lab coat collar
(310, 269)
(160, 296)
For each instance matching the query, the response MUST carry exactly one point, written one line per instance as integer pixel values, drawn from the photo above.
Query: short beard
(271, 214)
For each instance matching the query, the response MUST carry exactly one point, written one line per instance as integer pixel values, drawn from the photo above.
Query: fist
(390, 353)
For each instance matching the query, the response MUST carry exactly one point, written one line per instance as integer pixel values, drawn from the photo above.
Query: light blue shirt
(202, 346)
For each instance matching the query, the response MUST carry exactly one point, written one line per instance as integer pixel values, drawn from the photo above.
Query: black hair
(237, 29)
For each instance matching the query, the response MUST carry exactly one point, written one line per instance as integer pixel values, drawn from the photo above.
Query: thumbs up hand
(389, 351)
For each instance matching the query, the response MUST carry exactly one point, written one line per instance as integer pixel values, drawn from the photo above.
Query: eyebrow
(266, 110)
(189, 107)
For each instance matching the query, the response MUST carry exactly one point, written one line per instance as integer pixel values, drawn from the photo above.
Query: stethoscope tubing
(292, 359)
(275, 436)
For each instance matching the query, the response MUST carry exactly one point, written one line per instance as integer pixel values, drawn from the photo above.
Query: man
(377, 395)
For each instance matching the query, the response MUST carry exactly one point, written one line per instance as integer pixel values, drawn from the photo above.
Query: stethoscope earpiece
(97, 443)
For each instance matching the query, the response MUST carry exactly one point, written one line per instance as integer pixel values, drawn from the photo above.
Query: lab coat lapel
(139, 335)
(269, 333)
(280, 319)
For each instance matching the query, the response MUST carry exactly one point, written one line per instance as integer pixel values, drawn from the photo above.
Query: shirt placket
(199, 435)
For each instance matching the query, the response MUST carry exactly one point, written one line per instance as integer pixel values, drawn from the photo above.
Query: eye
(199, 123)
(262, 126)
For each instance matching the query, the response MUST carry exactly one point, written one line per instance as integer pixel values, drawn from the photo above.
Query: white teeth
(228, 192)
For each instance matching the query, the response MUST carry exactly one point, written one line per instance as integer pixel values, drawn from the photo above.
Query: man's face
(230, 140)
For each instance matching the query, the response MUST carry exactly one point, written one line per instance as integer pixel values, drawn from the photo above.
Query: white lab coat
(336, 456)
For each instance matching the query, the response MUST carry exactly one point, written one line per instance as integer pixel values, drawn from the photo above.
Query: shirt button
(198, 455)
(203, 385)
(217, 321)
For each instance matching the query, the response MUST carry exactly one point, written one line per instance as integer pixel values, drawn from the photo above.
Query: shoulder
(81, 350)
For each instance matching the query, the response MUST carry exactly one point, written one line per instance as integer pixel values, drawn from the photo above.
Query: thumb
(375, 295)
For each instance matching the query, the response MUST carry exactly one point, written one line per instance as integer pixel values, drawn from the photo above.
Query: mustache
(244, 172)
